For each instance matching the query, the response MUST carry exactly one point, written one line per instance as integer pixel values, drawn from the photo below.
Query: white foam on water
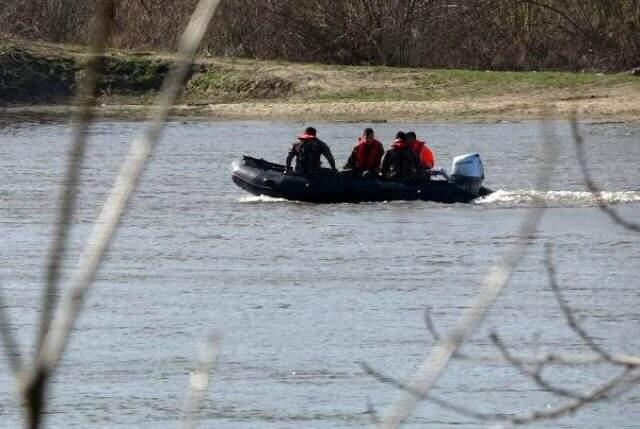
(260, 199)
(559, 198)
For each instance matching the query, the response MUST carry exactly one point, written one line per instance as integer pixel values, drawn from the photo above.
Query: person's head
(400, 135)
(411, 136)
(309, 134)
(368, 134)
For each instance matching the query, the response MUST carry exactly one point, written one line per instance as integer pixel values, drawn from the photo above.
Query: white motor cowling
(467, 172)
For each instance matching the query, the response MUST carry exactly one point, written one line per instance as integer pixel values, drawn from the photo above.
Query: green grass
(226, 84)
(416, 84)
(133, 74)
(139, 74)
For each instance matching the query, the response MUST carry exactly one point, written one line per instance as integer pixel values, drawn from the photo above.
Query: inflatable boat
(260, 177)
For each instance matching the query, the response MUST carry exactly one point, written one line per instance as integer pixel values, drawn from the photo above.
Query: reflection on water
(302, 292)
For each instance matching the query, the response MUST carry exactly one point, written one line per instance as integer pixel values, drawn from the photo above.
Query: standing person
(399, 162)
(421, 151)
(366, 156)
(307, 150)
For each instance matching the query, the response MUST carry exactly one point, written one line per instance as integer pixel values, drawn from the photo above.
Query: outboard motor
(467, 172)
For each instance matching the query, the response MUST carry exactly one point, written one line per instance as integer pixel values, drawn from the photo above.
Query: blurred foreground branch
(591, 184)
(434, 364)
(199, 382)
(55, 331)
(86, 101)
(625, 368)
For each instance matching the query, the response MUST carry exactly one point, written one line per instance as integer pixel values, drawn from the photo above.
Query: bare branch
(200, 382)
(567, 310)
(124, 185)
(436, 361)
(464, 411)
(34, 393)
(560, 13)
(67, 311)
(536, 375)
(497, 279)
(557, 359)
(86, 101)
(11, 348)
(591, 185)
(431, 327)
(597, 394)
(428, 321)
(372, 412)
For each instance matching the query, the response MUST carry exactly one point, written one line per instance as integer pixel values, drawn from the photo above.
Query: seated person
(307, 150)
(421, 151)
(399, 162)
(366, 155)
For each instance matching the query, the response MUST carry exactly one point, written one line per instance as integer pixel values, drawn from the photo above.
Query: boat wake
(261, 199)
(558, 198)
(518, 198)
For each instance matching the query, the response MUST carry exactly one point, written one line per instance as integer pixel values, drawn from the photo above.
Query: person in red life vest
(399, 162)
(422, 151)
(307, 150)
(366, 156)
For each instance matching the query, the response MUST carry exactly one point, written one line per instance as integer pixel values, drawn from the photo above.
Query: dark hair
(401, 135)
(368, 132)
(310, 130)
(411, 135)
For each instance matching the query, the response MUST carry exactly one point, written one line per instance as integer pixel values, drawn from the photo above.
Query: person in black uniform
(399, 162)
(307, 150)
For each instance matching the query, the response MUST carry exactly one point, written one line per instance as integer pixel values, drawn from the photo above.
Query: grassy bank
(42, 77)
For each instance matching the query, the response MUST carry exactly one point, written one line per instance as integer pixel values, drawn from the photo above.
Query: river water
(301, 293)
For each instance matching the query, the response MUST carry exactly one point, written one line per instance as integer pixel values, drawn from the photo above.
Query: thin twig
(464, 411)
(601, 392)
(436, 361)
(86, 101)
(431, 327)
(9, 343)
(125, 183)
(428, 321)
(566, 309)
(591, 184)
(34, 392)
(69, 308)
(199, 382)
(536, 375)
(557, 358)
(372, 412)
(597, 394)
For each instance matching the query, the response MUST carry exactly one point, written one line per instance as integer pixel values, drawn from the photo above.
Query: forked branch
(55, 341)
(591, 184)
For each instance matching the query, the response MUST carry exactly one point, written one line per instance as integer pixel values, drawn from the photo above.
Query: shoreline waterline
(374, 112)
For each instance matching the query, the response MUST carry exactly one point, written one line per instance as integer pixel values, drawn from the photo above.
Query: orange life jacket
(368, 155)
(424, 154)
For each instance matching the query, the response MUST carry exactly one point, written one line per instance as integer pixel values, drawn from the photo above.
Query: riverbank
(40, 79)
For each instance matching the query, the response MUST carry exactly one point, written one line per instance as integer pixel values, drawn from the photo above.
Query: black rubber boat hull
(260, 177)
